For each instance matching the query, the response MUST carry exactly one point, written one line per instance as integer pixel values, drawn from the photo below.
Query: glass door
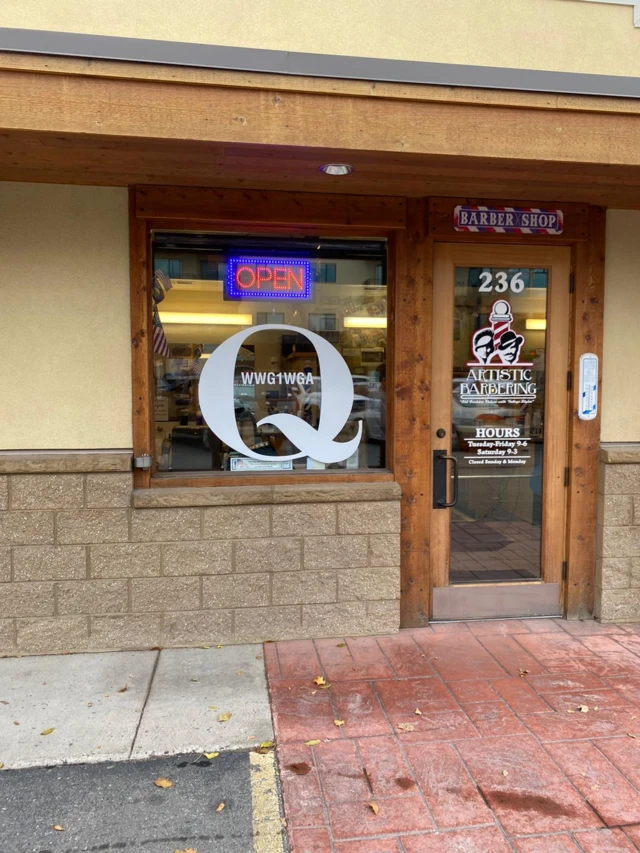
(499, 416)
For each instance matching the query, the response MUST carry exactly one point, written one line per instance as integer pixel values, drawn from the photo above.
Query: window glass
(207, 288)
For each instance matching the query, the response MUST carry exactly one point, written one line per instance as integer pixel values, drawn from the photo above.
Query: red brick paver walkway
(461, 738)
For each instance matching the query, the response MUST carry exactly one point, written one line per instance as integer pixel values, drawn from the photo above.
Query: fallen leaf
(418, 712)
(313, 692)
(338, 723)
(341, 645)
(523, 672)
(406, 727)
(58, 828)
(258, 657)
(375, 808)
(635, 737)
(324, 687)
(224, 717)
(204, 647)
(239, 672)
(47, 732)
(123, 689)
(505, 772)
(267, 744)
(595, 708)
(570, 711)
(311, 742)
(16, 723)
(251, 737)
(319, 680)
(1, 765)
(583, 708)
(163, 783)
(188, 850)
(89, 704)
(106, 695)
(210, 755)
(213, 707)
(300, 768)
(220, 807)
(219, 646)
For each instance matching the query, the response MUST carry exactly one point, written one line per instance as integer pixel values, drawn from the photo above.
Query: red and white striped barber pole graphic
(507, 220)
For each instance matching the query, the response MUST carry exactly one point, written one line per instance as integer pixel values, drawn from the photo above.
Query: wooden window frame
(218, 210)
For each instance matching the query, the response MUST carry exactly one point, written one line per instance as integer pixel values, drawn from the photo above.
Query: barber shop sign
(507, 220)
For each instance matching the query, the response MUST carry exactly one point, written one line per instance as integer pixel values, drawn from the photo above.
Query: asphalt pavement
(228, 804)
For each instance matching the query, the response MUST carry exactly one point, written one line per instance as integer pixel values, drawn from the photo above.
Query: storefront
(285, 402)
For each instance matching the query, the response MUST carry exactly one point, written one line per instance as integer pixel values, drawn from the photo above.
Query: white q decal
(217, 403)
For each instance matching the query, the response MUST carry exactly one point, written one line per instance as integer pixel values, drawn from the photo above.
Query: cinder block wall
(618, 541)
(86, 563)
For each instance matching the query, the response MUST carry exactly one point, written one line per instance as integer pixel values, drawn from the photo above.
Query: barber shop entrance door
(500, 407)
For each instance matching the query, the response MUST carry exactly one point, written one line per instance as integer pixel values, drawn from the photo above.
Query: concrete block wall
(617, 594)
(87, 563)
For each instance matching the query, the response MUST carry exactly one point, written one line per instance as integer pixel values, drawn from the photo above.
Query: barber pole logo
(507, 220)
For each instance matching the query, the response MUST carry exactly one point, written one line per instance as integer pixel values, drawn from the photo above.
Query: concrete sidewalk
(69, 709)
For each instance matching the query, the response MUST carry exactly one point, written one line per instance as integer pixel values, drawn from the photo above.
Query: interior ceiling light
(534, 323)
(365, 322)
(170, 317)
(336, 169)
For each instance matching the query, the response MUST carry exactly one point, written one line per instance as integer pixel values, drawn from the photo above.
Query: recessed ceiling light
(336, 169)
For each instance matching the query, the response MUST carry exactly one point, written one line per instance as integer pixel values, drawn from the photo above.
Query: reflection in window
(276, 370)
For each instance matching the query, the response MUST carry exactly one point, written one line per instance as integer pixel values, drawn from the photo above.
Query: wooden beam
(584, 436)
(273, 208)
(410, 327)
(117, 70)
(141, 345)
(168, 110)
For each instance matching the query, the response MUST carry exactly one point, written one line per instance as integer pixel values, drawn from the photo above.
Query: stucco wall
(556, 35)
(620, 398)
(65, 380)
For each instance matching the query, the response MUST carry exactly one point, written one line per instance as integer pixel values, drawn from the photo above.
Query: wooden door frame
(518, 598)
(429, 222)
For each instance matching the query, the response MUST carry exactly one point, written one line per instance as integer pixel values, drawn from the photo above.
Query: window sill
(241, 494)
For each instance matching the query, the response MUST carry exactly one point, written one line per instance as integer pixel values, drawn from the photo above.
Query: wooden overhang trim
(173, 110)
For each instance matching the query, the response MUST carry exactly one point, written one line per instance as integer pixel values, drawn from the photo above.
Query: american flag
(160, 345)
(161, 283)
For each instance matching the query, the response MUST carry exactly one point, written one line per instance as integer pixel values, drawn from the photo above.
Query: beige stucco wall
(564, 35)
(620, 398)
(65, 377)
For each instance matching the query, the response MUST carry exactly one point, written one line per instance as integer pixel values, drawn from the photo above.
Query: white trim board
(634, 3)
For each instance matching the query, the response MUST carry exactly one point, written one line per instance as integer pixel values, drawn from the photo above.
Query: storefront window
(207, 289)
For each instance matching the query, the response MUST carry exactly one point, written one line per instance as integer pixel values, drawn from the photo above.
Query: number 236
(502, 282)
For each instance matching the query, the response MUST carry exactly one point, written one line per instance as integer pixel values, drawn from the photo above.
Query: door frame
(431, 221)
(522, 598)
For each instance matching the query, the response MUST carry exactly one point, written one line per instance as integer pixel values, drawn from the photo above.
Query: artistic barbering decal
(498, 342)
(497, 375)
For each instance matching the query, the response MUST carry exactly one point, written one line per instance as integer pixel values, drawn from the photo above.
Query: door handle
(440, 480)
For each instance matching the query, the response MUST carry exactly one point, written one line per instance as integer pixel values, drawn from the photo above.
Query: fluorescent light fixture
(336, 169)
(365, 322)
(175, 317)
(536, 325)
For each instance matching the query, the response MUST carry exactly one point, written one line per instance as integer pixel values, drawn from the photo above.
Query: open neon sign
(268, 278)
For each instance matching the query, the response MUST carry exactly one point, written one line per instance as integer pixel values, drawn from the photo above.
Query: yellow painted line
(268, 827)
